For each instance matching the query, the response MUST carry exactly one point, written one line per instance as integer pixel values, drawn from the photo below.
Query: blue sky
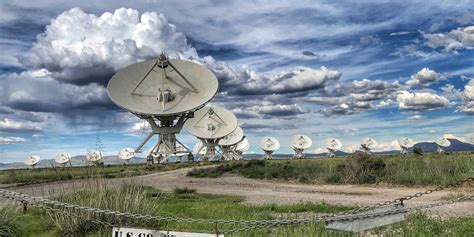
(323, 68)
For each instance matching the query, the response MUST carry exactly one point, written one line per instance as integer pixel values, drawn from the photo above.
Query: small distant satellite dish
(367, 144)
(332, 145)
(269, 145)
(126, 154)
(32, 161)
(299, 143)
(63, 158)
(199, 149)
(182, 150)
(405, 143)
(442, 142)
(211, 122)
(94, 156)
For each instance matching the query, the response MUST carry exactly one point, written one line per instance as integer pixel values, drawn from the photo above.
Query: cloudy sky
(372, 69)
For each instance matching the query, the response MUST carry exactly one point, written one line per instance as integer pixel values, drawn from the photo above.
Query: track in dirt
(265, 191)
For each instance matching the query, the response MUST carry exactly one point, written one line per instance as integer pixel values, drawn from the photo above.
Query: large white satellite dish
(299, 143)
(165, 92)
(210, 124)
(126, 154)
(63, 158)
(94, 156)
(442, 142)
(404, 144)
(32, 161)
(269, 145)
(228, 144)
(367, 144)
(332, 145)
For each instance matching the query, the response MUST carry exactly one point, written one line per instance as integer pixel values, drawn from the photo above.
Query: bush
(130, 198)
(417, 151)
(185, 190)
(361, 168)
(7, 221)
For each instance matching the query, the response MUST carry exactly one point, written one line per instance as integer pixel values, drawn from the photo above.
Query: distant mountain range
(456, 145)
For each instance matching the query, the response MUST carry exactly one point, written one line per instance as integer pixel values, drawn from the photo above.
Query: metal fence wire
(248, 225)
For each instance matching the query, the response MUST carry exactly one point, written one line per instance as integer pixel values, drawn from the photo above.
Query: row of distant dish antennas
(301, 142)
(93, 157)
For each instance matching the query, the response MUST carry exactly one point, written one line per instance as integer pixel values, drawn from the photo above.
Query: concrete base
(359, 225)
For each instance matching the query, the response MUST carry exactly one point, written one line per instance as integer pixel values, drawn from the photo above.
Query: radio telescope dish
(162, 87)
(332, 145)
(94, 156)
(368, 144)
(164, 92)
(242, 146)
(228, 144)
(211, 122)
(32, 161)
(405, 143)
(126, 154)
(232, 138)
(269, 145)
(199, 149)
(63, 158)
(442, 142)
(299, 143)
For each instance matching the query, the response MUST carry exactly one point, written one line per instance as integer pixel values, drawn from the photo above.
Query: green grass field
(24, 177)
(430, 169)
(187, 203)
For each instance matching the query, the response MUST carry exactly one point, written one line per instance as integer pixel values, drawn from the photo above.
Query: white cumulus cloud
(425, 77)
(457, 39)
(421, 101)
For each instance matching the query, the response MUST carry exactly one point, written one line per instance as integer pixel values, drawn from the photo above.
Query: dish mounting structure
(299, 143)
(441, 143)
(210, 124)
(166, 93)
(228, 144)
(269, 145)
(332, 145)
(405, 143)
(367, 144)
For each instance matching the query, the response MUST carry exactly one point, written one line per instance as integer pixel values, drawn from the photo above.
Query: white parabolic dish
(232, 138)
(181, 150)
(126, 154)
(243, 146)
(441, 141)
(269, 144)
(405, 142)
(62, 158)
(94, 155)
(301, 141)
(369, 143)
(211, 122)
(333, 143)
(136, 88)
(32, 160)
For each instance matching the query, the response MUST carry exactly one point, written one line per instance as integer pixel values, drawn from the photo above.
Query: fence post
(25, 206)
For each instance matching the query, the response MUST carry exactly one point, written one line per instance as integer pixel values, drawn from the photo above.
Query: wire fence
(71, 210)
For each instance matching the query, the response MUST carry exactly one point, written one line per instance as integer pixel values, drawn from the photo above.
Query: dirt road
(265, 191)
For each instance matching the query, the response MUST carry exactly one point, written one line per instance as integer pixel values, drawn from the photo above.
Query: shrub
(361, 168)
(185, 190)
(7, 221)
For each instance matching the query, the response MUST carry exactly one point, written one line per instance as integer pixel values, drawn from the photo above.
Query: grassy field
(187, 203)
(23, 177)
(430, 169)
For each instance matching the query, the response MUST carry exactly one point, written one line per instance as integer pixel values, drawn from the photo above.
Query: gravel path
(266, 191)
